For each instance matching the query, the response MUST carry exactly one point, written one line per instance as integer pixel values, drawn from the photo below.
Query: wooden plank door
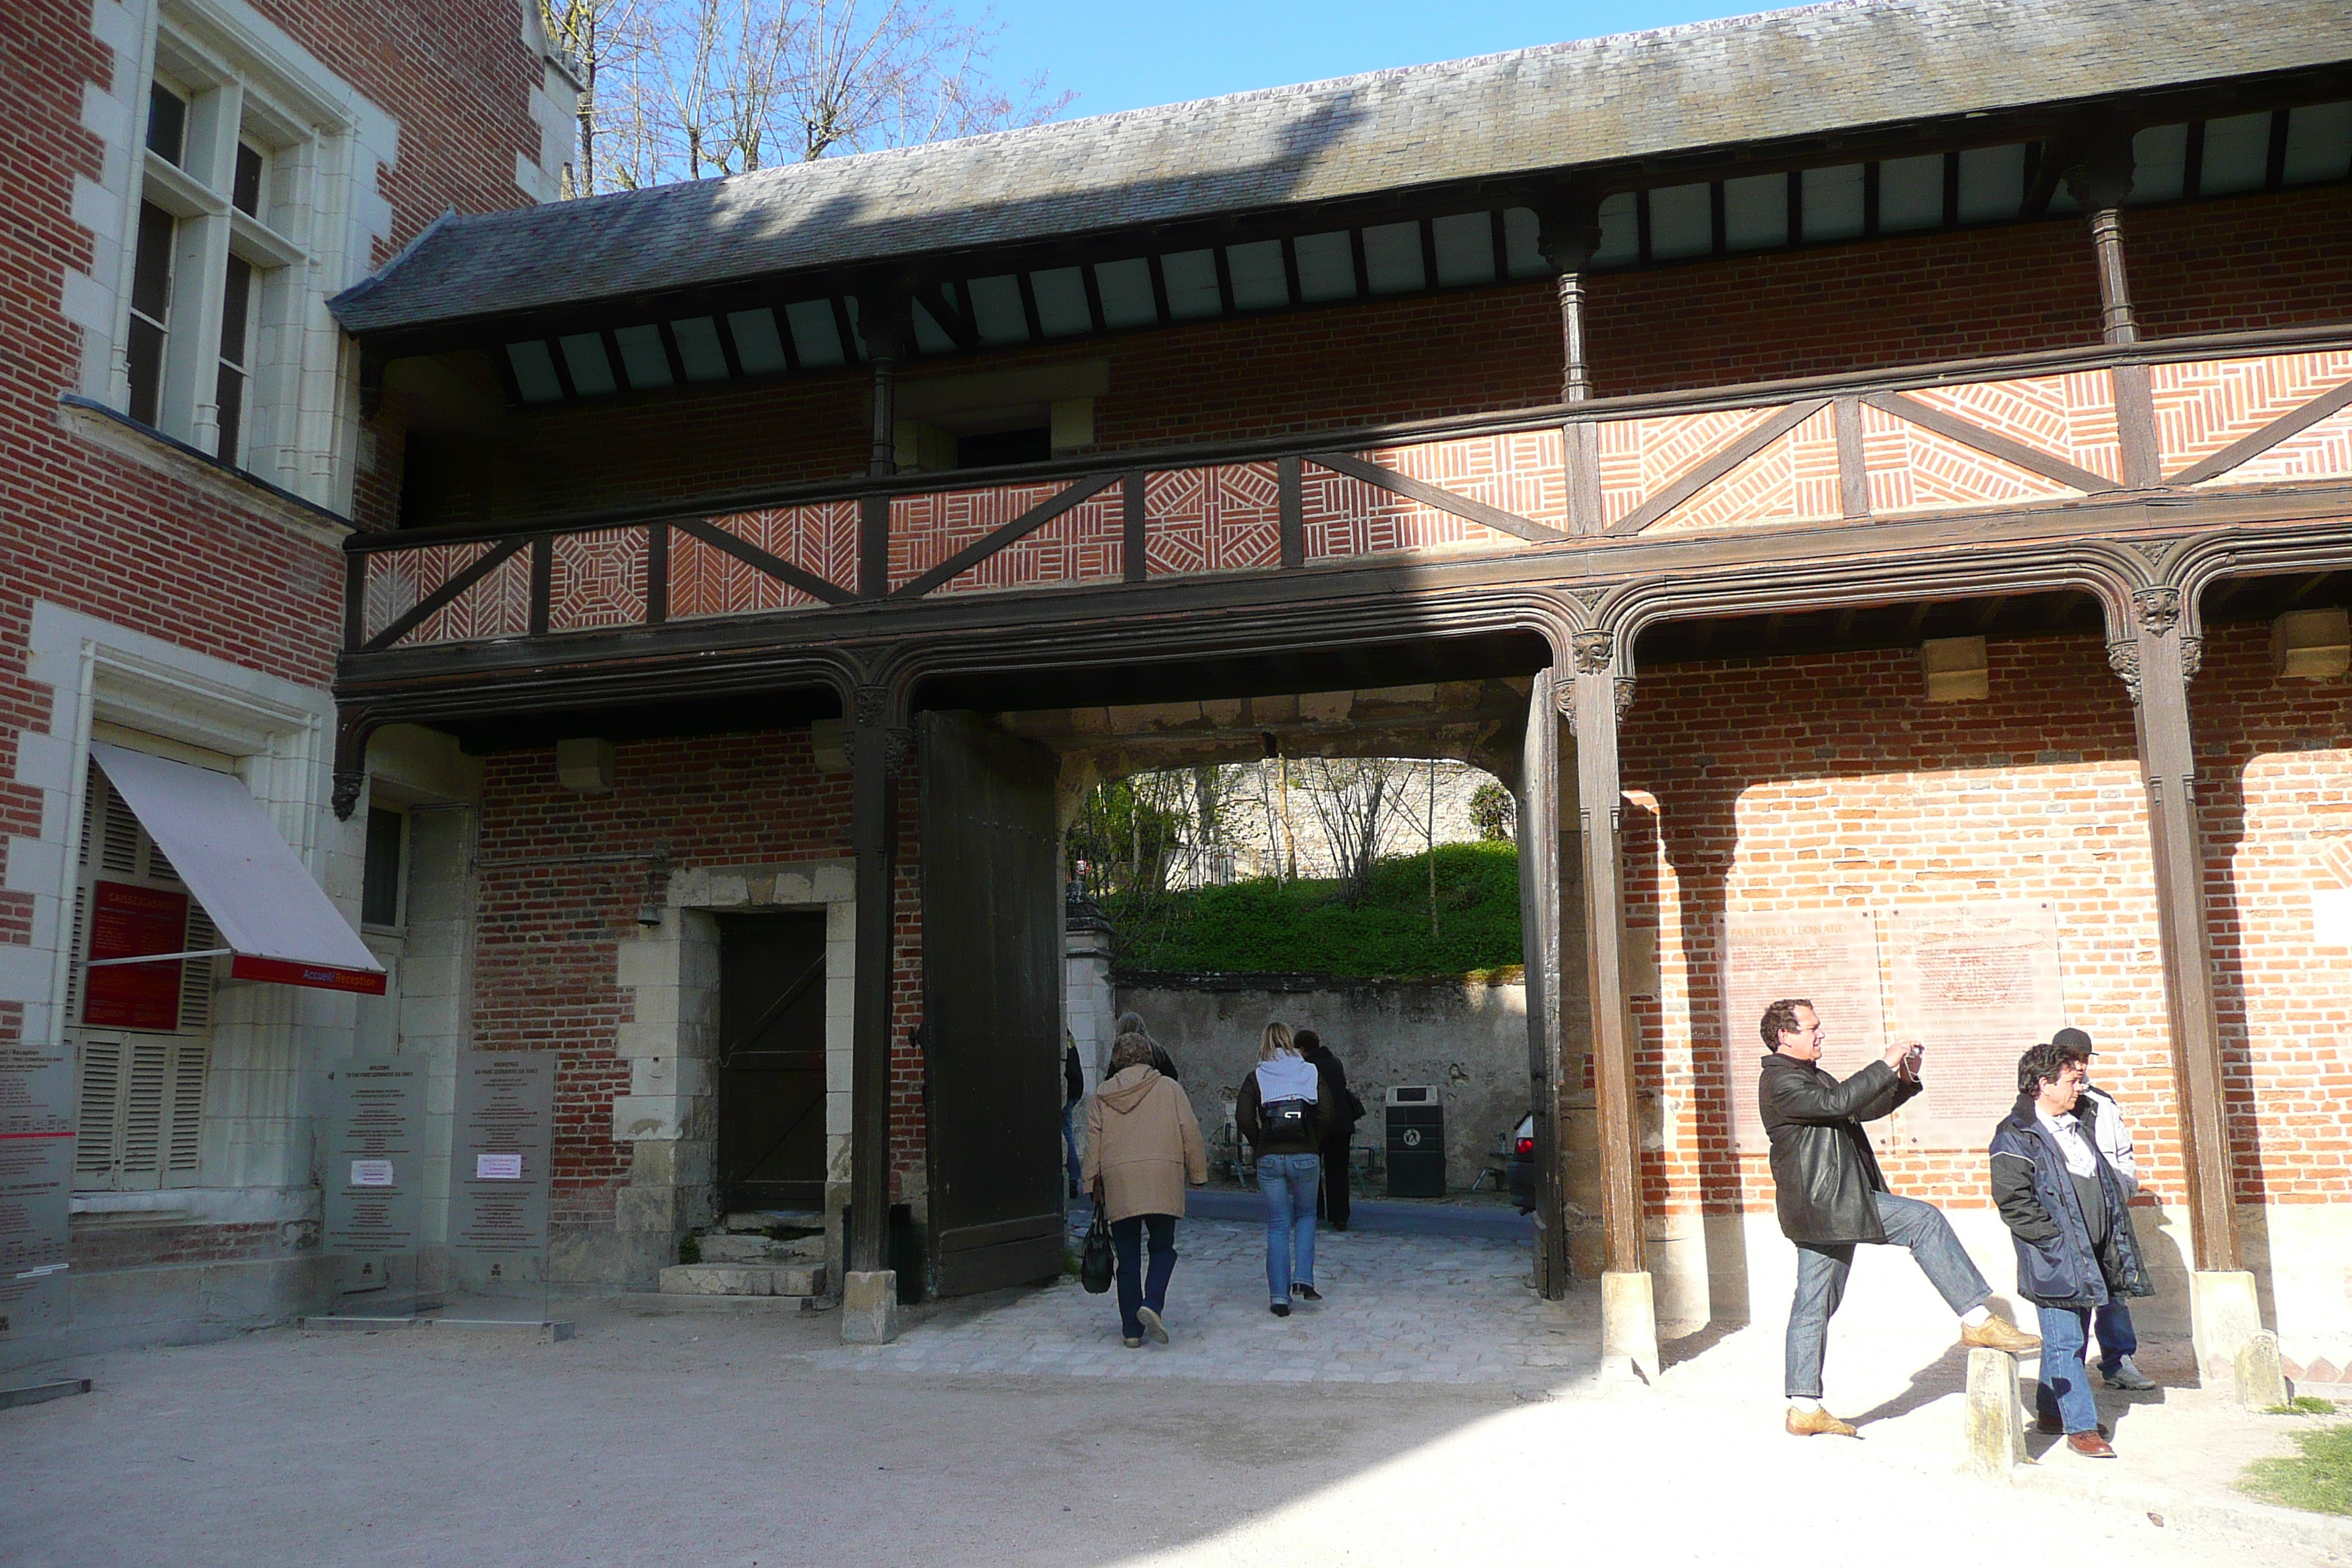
(772, 1061)
(992, 896)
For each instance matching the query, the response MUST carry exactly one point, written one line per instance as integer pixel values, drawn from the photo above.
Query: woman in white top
(1283, 1109)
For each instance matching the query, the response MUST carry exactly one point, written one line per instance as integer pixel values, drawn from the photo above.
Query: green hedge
(1265, 926)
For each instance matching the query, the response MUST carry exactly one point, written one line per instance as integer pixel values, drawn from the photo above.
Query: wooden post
(1629, 1315)
(2099, 177)
(2156, 664)
(1569, 234)
(876, 745)
(883, 323)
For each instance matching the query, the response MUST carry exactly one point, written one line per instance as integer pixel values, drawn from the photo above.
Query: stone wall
(1468, 1038)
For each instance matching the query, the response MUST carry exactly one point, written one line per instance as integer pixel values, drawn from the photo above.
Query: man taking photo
(1832, 1197)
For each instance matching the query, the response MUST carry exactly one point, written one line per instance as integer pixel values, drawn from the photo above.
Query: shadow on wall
(1467, 1038)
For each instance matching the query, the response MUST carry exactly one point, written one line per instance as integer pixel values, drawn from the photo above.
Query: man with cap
(2112, 1323)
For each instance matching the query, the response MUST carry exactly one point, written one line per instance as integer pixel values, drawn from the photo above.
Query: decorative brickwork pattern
(1794, 480)
(1640, 458)
(1520, 473)
(597, 580)
(2071, 417)
(1225, 518)
(1913, 468)
(1083, 544)
(704, 580)
(2204, 405)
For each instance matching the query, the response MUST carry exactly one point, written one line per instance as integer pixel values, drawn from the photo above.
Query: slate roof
(1780, 74)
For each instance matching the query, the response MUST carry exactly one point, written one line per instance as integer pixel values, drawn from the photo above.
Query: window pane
(1756, 211)
(1326, 267)
(229, 396)
(534, 372)
(1992, 183)
(146, 354)
(1911, 194)
(379, 881)
(236, 308)
(2319, 143)
(246, 193)
(2236, 149)
(1259, 283)
(1061, 301)
(697, 347)
(995, 310)
(759, 348)
(1125, 288)
(1834, 202)
(1465, 248)
(167, 123)
(1393, 258)
(642, 356)
(1680, 223)
(150, 272)
(1621, 230)
(584, 357)
(1192, 278)
(2159, 154)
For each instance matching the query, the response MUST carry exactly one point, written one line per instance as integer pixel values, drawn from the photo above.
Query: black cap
(2074, 1038)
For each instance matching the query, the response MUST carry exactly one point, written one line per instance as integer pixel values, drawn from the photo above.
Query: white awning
(276, 921)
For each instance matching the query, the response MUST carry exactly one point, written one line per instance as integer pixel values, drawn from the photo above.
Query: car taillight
(1526, 1146)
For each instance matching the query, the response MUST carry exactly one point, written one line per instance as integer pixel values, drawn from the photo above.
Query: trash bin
(1416, 1143)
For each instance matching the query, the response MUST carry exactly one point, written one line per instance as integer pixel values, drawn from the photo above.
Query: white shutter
(79, 951)
(146, 1102)
(184, 1140)
(98, 1130)
(118, 845)
(196, 973)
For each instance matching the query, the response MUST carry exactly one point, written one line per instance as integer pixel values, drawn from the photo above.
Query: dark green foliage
(1304, 928)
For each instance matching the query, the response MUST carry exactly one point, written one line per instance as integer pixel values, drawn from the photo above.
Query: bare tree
(683, 89)
(1353, 799)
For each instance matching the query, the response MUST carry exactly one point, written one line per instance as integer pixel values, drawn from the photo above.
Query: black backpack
(1287, 1120)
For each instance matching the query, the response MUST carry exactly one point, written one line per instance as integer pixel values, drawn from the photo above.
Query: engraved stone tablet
(1830, 958)
(1976, 984)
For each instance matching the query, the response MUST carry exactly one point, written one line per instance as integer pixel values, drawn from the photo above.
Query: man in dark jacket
(1074, 1090)
(2072, 1222)
(1341, 1131)
(1832, 1197)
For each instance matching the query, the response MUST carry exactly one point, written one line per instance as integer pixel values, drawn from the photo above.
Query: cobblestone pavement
(1396, 1309)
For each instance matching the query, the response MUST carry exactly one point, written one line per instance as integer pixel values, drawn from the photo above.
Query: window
(995, 447)
(143, 1032)
(226, 193)
(381, 883)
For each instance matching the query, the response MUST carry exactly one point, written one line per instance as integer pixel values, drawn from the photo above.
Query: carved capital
(1594, 650)
(2192, 657)
(898, 747)
(2159, 608)
(1624, 694)
(2123, 658)
(349, 781)
(871, 706)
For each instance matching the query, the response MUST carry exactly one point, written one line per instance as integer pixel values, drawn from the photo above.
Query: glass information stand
(499, 1148)
(373, 1181)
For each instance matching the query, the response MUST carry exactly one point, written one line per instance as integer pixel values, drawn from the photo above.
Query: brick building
(182, 455)
(1895, 454)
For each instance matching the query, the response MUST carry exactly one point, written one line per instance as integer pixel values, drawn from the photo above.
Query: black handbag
(1094, 1260)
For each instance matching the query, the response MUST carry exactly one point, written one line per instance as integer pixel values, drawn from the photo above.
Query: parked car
(1521, 1167)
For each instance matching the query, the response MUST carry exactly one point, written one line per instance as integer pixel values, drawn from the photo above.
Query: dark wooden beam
(2292, 423)
(424, 609)
(1290, 490)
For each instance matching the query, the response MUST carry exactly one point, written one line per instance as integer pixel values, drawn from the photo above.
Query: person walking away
(1284, 1108)
(1347, 1111)
(1074, 1089)
(2111, 1324)
(1832, 1197)
(1132, 1024)
(1143, 1148)
(2072, 1224)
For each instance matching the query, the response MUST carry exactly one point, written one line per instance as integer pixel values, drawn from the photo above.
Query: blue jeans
(1139, 1288)
(1289, 1182)
(2063, 1387)
(1821, 1268)
(1070, 1147)
(2117, 1339)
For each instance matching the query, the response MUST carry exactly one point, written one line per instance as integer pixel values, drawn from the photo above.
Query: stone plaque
(374, 1178)
(1975, 983)
(1830, 958)
(499, 1180)
(36, 1154)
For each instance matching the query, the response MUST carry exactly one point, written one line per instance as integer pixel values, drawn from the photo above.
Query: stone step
(721, 1247)
(773, 1219)
(743, 1279)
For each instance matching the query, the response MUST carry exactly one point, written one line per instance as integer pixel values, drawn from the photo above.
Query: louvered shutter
(98, 1131)
(146, 1105)
(184, 1113)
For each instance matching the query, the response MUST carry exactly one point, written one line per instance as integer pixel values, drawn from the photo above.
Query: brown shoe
(2090, 1445)
(1817, 1424)
(1999, 1335)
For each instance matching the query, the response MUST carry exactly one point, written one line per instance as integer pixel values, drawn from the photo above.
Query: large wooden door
(772, 1061)
(991, 1005)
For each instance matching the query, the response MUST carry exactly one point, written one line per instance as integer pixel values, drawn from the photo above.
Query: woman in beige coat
(1143, 1145)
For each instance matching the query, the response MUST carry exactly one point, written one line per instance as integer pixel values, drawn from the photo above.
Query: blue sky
(1131, 56)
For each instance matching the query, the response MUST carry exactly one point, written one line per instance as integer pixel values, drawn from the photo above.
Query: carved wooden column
(884, 324)
(1569, 234)
(2099, 177)
(1629, 1310)
(2157, 663)
(878, 747)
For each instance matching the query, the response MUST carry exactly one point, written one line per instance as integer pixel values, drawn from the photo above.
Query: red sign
(124, 923)
(320, 976)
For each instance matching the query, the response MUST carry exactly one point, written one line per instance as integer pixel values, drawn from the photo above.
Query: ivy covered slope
(1307, 928)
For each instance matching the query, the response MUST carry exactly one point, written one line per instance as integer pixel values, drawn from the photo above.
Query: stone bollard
(2261, 1379)
(1996, 1415)
(869, 1307)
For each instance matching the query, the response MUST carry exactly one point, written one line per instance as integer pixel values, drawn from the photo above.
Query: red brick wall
(1826, 783)
(546, 954)
(2258, 261)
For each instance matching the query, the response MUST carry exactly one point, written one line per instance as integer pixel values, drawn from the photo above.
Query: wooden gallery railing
(1986, 435)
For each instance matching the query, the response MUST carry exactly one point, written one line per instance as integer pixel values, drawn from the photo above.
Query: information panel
(373, 1176)
(1976, 984)
(36, 1157)
(1828, 957)
(499, 1182)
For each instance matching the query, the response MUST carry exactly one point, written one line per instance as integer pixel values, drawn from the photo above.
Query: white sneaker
(2126, 1375)
(1151, 1324)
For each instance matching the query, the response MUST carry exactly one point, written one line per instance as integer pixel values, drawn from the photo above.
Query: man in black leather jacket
(1832, 1197)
